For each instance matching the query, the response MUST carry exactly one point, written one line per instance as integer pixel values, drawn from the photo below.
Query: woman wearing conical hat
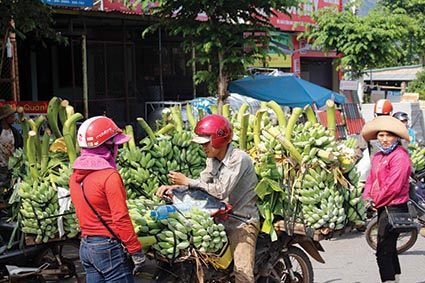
(387, 187)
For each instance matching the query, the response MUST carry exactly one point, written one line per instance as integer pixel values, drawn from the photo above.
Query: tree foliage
(413, 45)
(231, 35)
(364, 43)
(418, 85)
(31, 17)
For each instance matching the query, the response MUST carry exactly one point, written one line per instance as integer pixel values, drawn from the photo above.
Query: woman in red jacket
(96, 187)
(387, 187)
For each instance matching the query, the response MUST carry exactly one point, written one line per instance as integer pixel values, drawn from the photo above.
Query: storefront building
(108, 63)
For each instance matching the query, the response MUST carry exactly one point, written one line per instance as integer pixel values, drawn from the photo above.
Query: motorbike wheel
(68, 253)
(301, 267)
(405, 241)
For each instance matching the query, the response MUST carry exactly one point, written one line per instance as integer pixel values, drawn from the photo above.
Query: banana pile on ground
(41, 167)
(180, 233)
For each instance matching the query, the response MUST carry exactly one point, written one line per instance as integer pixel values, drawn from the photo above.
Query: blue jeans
(105, 261)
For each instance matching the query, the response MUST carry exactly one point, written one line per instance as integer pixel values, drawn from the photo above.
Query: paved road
(350, 260)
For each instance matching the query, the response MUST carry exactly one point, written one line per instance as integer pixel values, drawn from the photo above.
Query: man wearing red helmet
(98, 194)
(382, 107)
(229, 176)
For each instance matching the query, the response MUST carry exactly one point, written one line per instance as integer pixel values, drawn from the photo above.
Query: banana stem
(286, 143)
(62, 112)
(331, 115)
(129, 131)
(24, 125)
(296, 112)
(142, 122)
(177, 117)
(242, 111)
(279, 112)
(190, 118)
(214, 109)
(68, 135)
(226, 111)
(52, 115)
(257, 126)
(31, 154)
(243, 131)
(45, 150)
(33, 126)
(309, 113)
(165, 129)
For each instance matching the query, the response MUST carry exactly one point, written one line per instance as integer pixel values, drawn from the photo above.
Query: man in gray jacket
(229, 176)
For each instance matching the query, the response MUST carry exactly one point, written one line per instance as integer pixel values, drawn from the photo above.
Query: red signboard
(119, 6)
(282, 21)
(303, 15)
(30, 107)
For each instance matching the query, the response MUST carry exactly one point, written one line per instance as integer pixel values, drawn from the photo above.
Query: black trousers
(386, 251)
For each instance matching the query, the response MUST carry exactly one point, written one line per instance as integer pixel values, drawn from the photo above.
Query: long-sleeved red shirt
(105, 191)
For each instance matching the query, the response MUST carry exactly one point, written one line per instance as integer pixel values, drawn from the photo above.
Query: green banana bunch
(208, 236)
(179, 232)
(417, 157)
(321, 182)
(316, 146)
(39, 212)
(146, 167)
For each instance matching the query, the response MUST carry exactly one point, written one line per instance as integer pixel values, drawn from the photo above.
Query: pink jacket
(393, 171)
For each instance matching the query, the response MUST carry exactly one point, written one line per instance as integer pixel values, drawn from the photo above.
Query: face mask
(389, 149)
(96, 158)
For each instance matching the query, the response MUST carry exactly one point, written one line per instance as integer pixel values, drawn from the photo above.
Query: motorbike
(416, 205)
(22, 262)
(284, 260)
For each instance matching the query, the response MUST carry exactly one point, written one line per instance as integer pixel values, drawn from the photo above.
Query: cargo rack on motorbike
(315, 234)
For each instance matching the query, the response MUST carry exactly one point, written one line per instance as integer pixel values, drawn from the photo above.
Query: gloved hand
(139, 262)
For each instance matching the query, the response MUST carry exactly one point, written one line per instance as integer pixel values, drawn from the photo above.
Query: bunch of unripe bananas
(180, 232)
(146, 167)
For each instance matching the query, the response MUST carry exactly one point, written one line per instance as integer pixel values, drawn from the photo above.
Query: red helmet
(383, 107)
(217, 128)
(98, 130)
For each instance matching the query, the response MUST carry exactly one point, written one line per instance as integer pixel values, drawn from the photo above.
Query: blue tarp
(287, 90)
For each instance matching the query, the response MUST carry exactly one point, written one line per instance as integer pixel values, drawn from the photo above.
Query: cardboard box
(410, 96)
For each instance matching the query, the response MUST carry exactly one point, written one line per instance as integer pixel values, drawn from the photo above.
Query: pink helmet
(99, 130)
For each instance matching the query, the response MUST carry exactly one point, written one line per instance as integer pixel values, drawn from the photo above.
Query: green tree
(364, 43)
(414, 44)
(27, 18)
(31, 17)
(230, 37)
(418, 85)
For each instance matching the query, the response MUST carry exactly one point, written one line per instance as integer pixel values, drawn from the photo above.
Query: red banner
(282, 21)
(303, 15)
(30, 107)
